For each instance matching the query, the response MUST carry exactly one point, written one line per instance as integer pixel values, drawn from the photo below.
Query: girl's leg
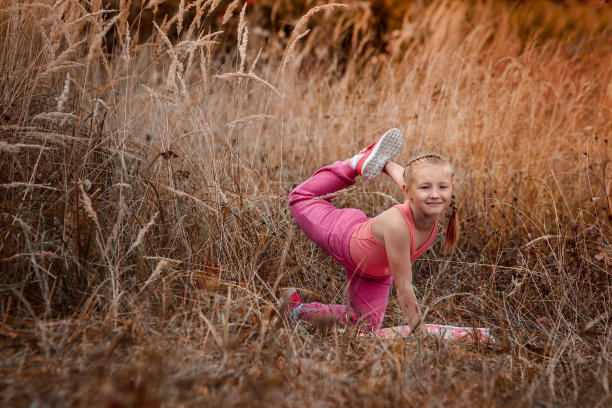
(368, 299)
(367, 303)
(323, 315)
(329, 227)
(326, 225)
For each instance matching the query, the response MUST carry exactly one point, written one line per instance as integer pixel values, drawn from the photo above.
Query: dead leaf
(544, 321)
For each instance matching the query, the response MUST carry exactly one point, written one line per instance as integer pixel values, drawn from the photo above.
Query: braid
(426, 156)
(452, 229)
(426, 159)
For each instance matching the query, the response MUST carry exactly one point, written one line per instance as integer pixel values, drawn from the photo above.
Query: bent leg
(368, 298)
(326, 314)
(326, 180)
(329, 227)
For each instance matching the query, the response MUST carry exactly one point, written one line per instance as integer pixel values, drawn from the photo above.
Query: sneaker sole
(389, 146)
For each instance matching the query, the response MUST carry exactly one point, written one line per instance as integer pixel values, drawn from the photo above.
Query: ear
(406, 191)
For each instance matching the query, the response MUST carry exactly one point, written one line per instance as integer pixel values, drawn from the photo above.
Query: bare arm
(397, 242)
(395, 172)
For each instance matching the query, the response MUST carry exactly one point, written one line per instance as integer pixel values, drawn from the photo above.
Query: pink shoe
(378, 153)
(290, 302)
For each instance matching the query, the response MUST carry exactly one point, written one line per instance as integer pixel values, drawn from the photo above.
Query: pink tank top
(370, 255)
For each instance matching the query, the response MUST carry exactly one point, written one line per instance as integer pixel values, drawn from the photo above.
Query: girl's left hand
(420, 329)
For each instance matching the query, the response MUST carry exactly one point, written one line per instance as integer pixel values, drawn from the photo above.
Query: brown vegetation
(143, 186)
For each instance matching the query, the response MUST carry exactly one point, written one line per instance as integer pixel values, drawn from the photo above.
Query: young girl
(375, 251)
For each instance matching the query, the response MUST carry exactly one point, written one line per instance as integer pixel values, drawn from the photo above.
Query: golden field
(147, 150)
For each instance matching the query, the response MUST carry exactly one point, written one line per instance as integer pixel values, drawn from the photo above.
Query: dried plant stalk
(252, 76)
(142, 232)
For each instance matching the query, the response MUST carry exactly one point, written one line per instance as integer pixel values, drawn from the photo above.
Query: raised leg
(329, 227)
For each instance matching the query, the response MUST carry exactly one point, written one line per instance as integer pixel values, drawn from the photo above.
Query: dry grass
(143, 186)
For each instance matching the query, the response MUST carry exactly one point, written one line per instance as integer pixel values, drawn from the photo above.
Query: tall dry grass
(143, 183)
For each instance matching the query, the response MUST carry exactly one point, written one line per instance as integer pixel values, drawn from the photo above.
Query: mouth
(435, 203)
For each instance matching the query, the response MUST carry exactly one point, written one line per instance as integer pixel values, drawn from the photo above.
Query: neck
(422, 221)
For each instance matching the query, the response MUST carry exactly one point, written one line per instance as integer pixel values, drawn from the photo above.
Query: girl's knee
(294, 197)
(369, 322)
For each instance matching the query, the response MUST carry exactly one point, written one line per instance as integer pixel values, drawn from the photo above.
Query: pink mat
(448, 332)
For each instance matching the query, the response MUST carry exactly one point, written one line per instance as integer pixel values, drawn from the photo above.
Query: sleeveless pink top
(370, 255)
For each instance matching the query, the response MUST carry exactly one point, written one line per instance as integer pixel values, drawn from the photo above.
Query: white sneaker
(378, 153)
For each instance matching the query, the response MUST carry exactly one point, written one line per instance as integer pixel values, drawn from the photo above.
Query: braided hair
(432, 159)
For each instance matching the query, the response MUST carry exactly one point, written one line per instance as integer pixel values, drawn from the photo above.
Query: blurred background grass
(148, 150)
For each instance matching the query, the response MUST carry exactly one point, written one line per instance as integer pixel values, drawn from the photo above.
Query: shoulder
(397, 237)
(389, 223)
(394, 224)
(394, 216)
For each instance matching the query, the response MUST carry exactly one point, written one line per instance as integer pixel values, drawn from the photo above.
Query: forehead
(431, 174)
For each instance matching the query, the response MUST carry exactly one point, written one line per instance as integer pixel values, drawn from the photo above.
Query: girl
(375, 251)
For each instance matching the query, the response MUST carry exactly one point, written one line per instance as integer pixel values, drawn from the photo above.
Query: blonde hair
(432, 159)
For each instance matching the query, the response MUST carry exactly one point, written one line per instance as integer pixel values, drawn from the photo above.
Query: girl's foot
(290, 302)
(378, 153)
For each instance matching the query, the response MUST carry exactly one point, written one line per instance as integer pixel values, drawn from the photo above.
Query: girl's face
(430, 190)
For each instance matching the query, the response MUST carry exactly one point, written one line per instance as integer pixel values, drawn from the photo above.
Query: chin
(431, 213)
(436, 211)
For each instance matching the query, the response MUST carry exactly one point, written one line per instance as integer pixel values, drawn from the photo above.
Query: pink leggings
(332, 228)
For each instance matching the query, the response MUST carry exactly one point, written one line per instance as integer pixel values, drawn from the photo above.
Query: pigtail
(452, 229)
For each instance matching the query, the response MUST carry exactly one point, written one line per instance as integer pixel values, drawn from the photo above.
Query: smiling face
(430, 189)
